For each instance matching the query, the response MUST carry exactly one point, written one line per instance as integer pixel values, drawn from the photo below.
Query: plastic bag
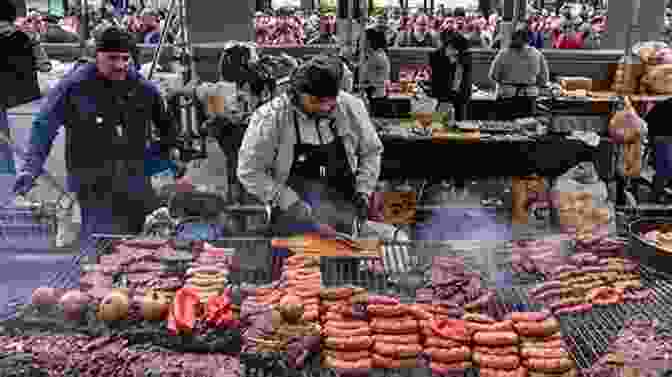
(581, 200)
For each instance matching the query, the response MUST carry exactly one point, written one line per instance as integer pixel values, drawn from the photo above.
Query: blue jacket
(108, 125)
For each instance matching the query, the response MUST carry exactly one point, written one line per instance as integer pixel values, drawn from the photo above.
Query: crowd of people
(567, 29)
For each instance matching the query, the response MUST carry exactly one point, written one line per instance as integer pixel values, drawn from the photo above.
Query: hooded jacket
(18, 65)
(108, 128)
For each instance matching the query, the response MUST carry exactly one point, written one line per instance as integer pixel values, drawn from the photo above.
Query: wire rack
(31, 227)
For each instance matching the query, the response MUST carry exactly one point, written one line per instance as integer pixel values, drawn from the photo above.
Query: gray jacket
(266, 155)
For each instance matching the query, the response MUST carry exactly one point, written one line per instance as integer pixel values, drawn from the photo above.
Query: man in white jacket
(312, 153)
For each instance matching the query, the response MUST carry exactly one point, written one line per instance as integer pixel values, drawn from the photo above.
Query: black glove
(301, 212)
(362, 206)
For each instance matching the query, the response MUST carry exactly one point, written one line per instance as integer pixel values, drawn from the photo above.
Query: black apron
(322, 177)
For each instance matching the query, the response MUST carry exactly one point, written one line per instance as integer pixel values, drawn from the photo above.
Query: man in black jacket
(109, 112)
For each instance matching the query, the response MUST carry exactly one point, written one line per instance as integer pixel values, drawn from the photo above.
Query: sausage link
(387, 310)
(581, 308)
(394, 325)
(419, 312)
(538, 329)
(497, 351)
(570, 373)
(348, 365)
(311, 316)
(558, 365)
(336, 293)
(397, 351)
(438, 342)
(333, 316)
(450, 355)
(543, 353)
(355, 343)
(347, 325)
(348, 356)
(335, 332)
(489, 372)
(496, 338)
(443, 369)
(529, 316)
(497, 362)
(379, 361)
(502, 326)
(397, 339)
(543, 344)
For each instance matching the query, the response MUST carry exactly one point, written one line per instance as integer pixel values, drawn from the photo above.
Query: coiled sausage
(496, 338)
(397, 351)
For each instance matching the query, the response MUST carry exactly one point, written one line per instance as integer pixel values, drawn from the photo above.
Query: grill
(403, 258)
(28, 228)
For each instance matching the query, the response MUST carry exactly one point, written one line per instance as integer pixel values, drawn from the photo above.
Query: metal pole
(84, 26)
(162, 40)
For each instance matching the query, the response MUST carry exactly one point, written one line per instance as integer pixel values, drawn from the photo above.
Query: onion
(44, 296)
(73, 303)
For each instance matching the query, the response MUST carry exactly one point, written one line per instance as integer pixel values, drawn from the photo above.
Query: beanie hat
(114, 39)
(320, 77)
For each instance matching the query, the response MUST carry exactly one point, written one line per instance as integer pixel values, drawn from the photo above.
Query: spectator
(57, 34)
(21, 57)
(150, 32)
(420, 36)
(519, 71)
(376, 69)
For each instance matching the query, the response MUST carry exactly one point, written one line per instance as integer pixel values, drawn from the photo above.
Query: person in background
(451, 72)
(312, 154)
(420, 36)
(535, 39)
(109, 112)
(23, 57)
(519, 71)
(375, 73)
(451, 80)
(150, 32)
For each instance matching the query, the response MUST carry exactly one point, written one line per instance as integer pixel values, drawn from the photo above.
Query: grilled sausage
(506, 325)
(497, 351)
(348, 356)
(397, 339)
(545, 365)
(347, 325)
(361, 364)
(538, 329)
(397, 351)
(336, 293)
(442, 369)
(418, 312)
(543, 344)
(311, 315)
(508, 362)
(570, 373)
(450, 355)
(435, 341)
(405, 325)
(489, 372)
(397, 310)
(335, 332)
(529, 316)
(496, 338)
(543, 353)
(355, 343)
(383, 362)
